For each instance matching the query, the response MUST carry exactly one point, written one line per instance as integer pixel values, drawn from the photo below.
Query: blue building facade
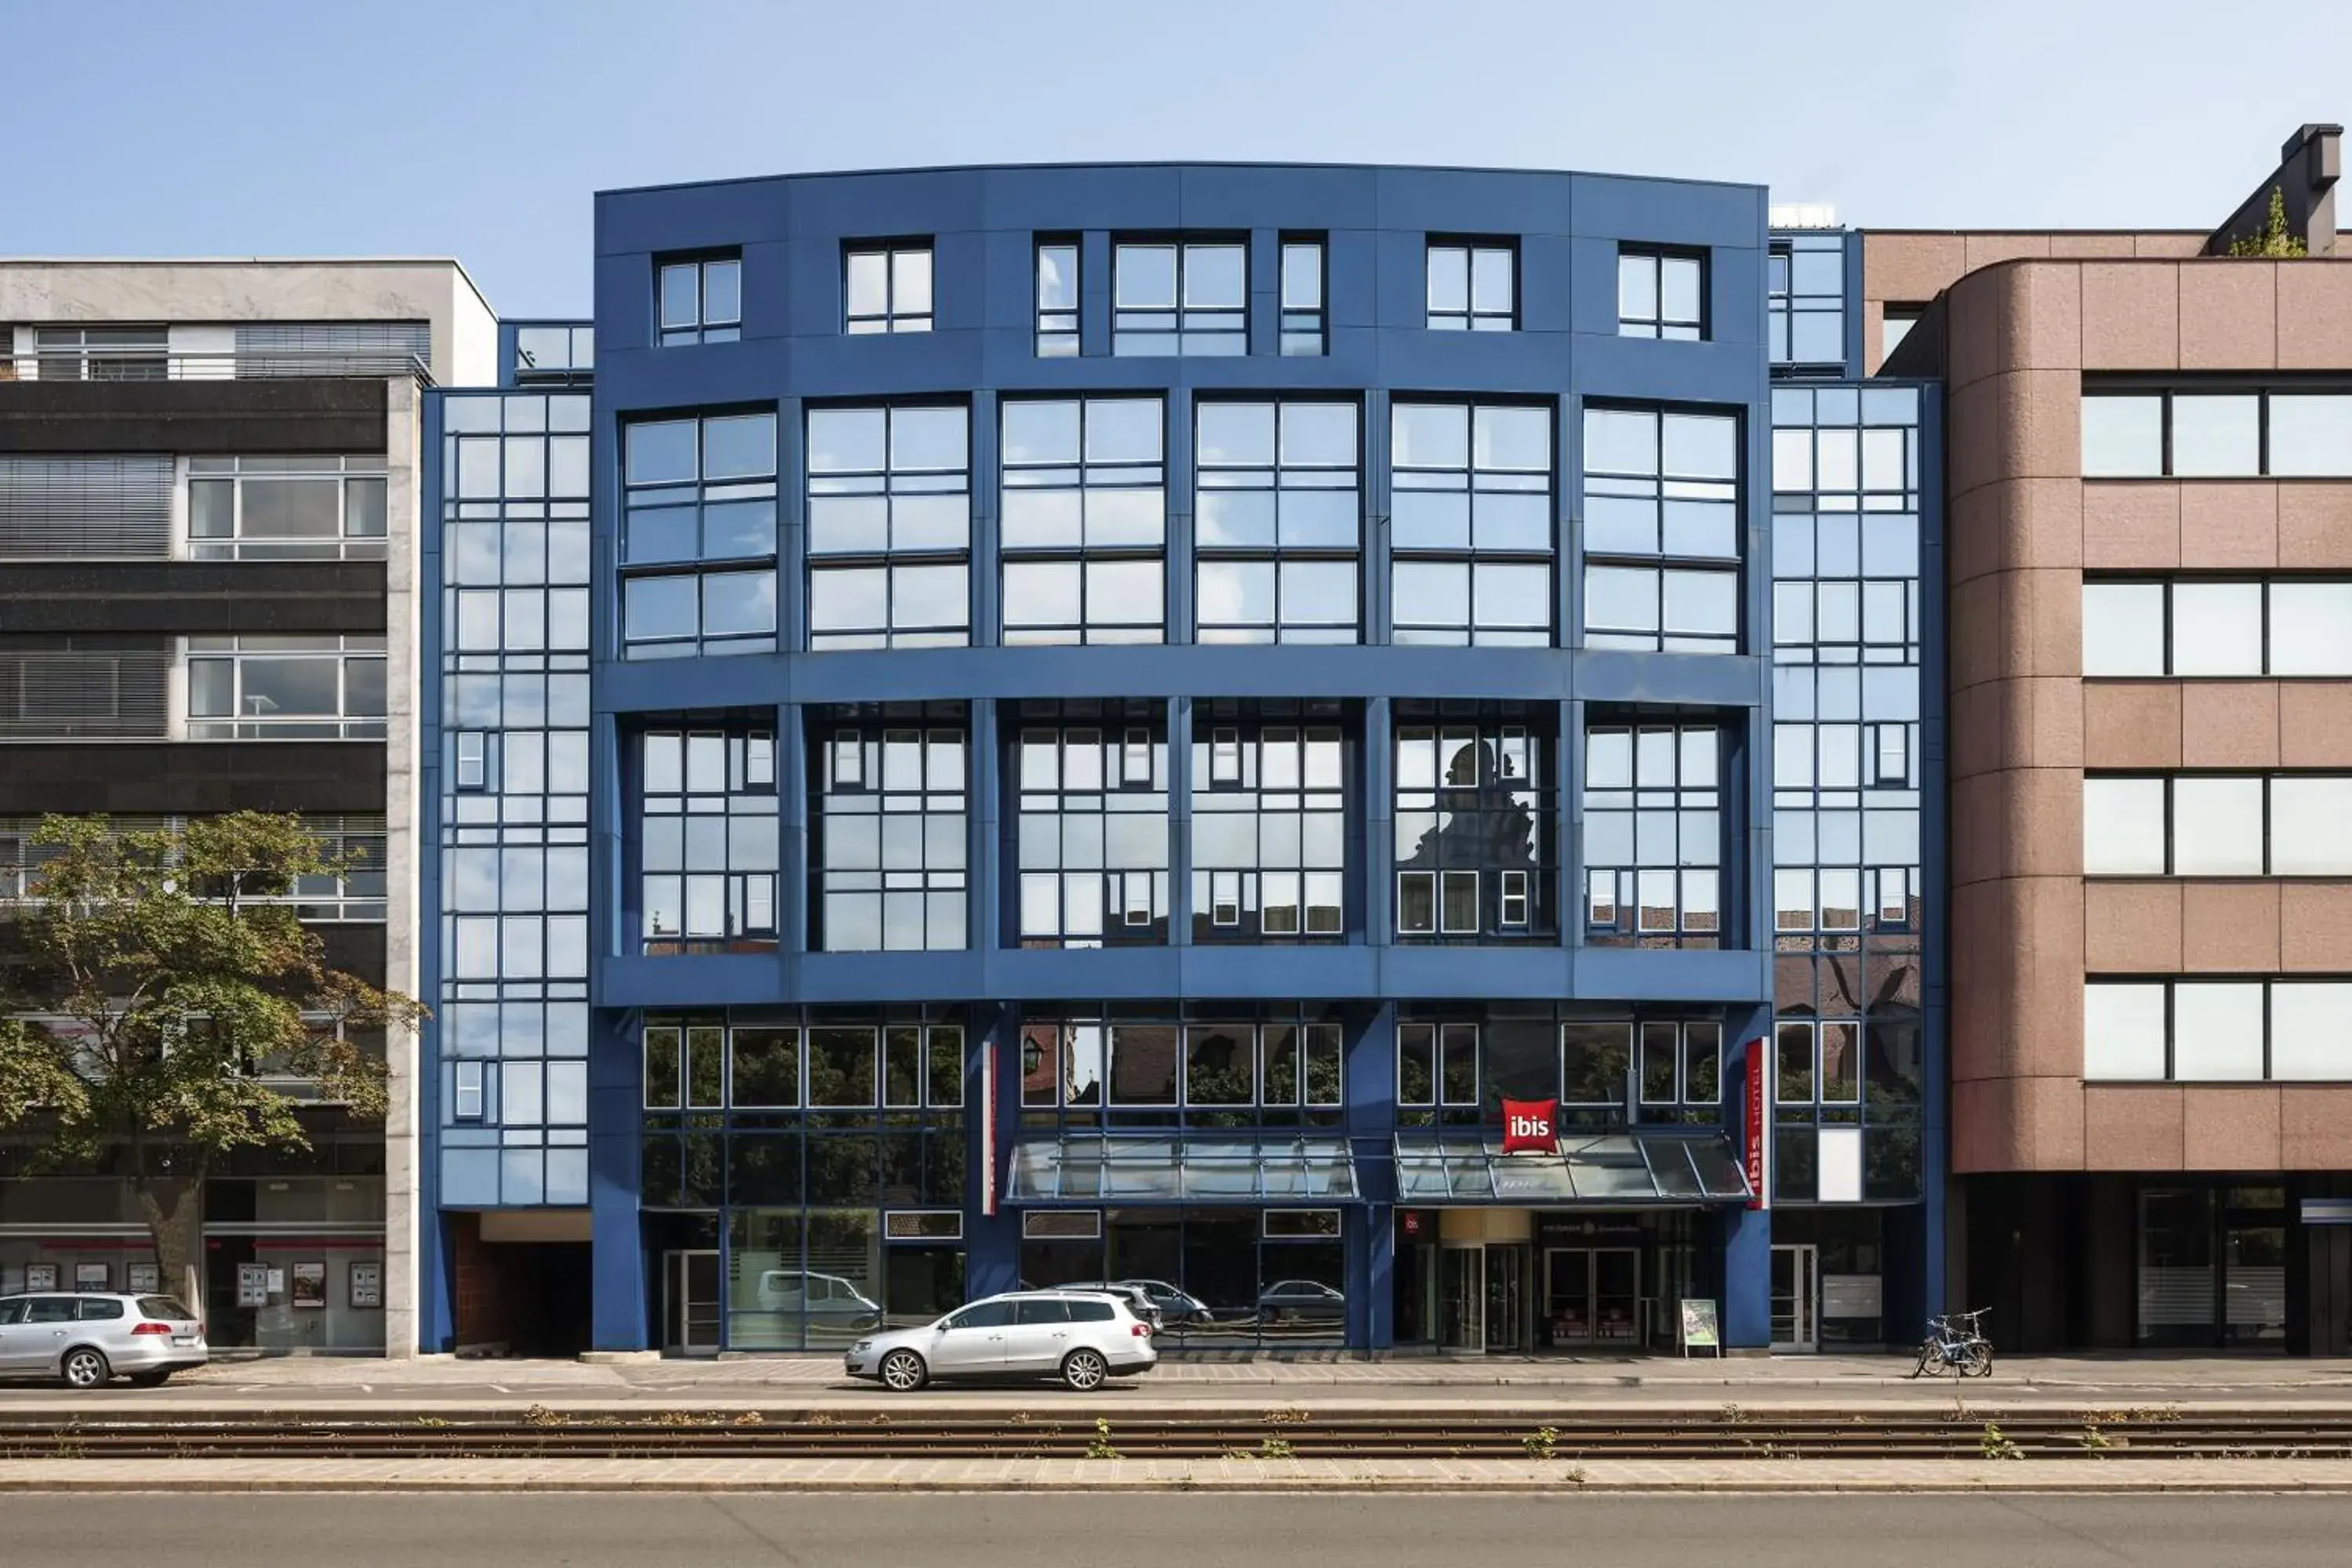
(1056, 724)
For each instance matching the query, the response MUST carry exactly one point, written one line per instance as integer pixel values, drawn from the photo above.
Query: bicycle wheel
(1927, 1356)
(1978, 1362)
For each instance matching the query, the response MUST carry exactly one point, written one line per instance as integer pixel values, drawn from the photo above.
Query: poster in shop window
(310, 1284)
(252, 1285)
(92, 1277)
(146, 1279)
(40, 1276)
(367, 1284)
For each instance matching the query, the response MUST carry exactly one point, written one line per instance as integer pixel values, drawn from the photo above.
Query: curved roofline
(1171, 164)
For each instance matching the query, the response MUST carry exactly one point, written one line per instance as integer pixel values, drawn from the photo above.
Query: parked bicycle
(1956, 1342)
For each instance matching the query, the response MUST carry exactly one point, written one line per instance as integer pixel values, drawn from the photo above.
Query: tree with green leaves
(161, 996)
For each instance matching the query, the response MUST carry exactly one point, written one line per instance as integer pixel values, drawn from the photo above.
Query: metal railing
(129, 363)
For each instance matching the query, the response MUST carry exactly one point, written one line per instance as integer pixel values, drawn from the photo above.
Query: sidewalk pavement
(770, 1475)
(326, 1373)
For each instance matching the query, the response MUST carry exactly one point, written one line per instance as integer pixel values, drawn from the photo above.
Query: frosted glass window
(2309, 1039)
(2217, 1031)
(2217, 827)
(2311, 827)
(2217, 435)
(2216, 629)
(2311, 628)
(2123, 1031)
(2123, 828)
(2123, 628)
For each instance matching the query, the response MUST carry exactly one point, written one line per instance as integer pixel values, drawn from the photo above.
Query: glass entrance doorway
(1482, 1307)
(1592, 1295)
(1796, 1298)
(690, 1303)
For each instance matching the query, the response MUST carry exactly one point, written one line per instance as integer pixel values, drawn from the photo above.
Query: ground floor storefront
(2247, 1263)
(290, 1263)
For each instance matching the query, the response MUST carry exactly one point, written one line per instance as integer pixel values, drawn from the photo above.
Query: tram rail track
(1975, 1433)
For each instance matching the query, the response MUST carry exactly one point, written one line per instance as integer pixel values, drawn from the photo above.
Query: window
(1473, 285)
(1805, 300)
(1661, 527)
(1269, 828)
(1304, 329)
(286, 688)
(1847, 652)
(1654, 835)
(2220, 431)
(1058, 298)
(466, 1101)
(1820, 1063)
(714, 1064)
(889, 528)
(2218, 626)
(554, 351)
(1180, 297)
(699, 490)
(1475, 848)
(1661, 294)
(699, 300)
(1277, 521)
(1895, 324)
(1084, 521)
(707, 839)
(1093, 832)
(2282, 824)
(2216, 1031)
(103, 354)
(472, 749)
(281, 509)
(1437, 1064)
(1470, 523)
(887, 286)
(890, 852)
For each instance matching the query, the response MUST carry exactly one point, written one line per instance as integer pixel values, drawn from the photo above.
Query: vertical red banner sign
(1753, 1148)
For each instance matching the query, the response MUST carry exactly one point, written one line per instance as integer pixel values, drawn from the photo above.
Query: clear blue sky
(479, 128)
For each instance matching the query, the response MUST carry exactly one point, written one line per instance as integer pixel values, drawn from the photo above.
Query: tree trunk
(175, 1223)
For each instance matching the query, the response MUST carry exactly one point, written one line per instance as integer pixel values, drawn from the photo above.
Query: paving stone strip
(18, 1476)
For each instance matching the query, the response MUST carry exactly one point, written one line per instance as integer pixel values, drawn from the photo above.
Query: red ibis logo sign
(1530, 1126)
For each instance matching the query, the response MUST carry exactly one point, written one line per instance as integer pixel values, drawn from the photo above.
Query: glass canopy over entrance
(1098, 1169)
(1616, 1170)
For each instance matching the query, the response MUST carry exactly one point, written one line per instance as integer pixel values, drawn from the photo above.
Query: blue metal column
(1371, 1132)
(615, 1092)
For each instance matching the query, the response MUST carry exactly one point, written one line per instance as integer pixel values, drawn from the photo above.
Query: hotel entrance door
(1482, 1305)
(1592, 1295)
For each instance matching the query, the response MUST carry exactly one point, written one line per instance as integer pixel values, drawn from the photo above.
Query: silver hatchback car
(1080, 1337)
(87, 1340)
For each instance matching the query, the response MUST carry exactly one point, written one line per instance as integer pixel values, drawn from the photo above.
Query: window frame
(889, 485)
(896, 316)
(1085, 477)
(1473, 316)
(1659, 325)
(2266, 781)
(1058, 329)
(949, 881)
(703, 327)
(1277, 479)
(1195, 331)
(1303, 331)
(2266, 987)
(2167, 392)
(1468, 554)
(1663, 566)
(655, 498)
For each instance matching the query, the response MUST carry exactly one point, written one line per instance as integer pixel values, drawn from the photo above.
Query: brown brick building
(2150, 492)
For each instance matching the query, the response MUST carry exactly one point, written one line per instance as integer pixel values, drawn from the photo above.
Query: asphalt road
(1199, 1531)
